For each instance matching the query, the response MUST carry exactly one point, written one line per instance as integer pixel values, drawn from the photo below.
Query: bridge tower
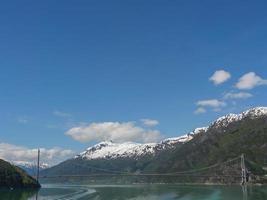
(243, 170)
(38, 165)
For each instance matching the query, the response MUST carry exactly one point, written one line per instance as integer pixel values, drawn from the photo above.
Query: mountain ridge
(112, 150)
(120, 149)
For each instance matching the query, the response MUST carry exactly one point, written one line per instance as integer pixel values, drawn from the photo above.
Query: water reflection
(18, 194)
(158, 192)
(166, 192)
(245, 192)
(138, 192)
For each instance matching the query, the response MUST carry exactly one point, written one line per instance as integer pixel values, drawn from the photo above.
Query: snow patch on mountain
(251, 113)
(110, 150)
(255, 112)
(199, 130)
(30, 165)
(175, 140)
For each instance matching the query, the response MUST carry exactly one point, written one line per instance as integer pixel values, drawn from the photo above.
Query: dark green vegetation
(219, 144)
(14, 177)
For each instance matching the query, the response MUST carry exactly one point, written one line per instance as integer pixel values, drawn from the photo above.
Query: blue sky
(112, 64)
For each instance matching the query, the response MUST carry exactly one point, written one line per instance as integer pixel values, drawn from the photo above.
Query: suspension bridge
(230, 171)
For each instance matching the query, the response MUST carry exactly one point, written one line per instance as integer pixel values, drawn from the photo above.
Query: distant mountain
(110, 150)
(115, 156)
(227, 137)
(14, 177)
(29, 167)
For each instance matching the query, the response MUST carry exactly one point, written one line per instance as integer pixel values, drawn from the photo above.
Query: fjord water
(137, 192)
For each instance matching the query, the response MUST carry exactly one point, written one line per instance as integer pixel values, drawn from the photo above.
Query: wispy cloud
(150, 122)
(61, 114)
(200, 110)
(14, 153)
(249, 81)
(237, 95)
(115, 131)
(220, 77)
(213, 103)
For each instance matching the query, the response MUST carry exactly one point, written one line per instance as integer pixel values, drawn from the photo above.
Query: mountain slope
(226, 138)
(14, 177)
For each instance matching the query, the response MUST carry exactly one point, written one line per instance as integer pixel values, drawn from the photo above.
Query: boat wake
(72, 193)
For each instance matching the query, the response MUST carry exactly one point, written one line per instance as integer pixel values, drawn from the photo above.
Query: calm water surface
(137, 192)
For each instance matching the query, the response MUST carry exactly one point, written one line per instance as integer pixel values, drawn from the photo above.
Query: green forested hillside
(14, 177)
(219, 144)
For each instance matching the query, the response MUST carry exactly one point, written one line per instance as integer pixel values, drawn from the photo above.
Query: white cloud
(213, 103)
(23, 120)
(200, 110)
(61, 114)
(220, 76)
(238, 95)
(115, 131)
(150, 122)
(249, 81)
(218, 109)
(15, 153)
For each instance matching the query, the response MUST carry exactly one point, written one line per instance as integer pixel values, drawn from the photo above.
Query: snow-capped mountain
(253, 113)
(112, 150)
(109, 150)
(29, 167)
(184, 138)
